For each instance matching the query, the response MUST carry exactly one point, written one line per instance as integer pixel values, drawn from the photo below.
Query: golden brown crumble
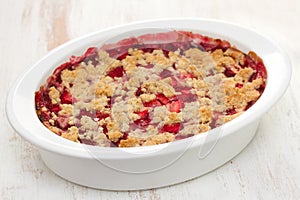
(130, 142)
(159, 87)
(66, 109)
(68, 77)
(159, 139)
(147, 97)
(71, 134)
(105, 87)
(114, 135)
(173, 117)
(54, 95)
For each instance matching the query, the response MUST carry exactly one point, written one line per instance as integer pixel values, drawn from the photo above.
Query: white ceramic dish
(153, 166)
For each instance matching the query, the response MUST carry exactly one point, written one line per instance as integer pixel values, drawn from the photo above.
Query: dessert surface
(151, 89)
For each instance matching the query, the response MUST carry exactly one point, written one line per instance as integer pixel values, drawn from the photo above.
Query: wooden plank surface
(269, 168)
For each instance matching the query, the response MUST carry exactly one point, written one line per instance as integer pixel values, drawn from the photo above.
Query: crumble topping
(105, 87)
(114, 135)
(147, 94)
(66, 109)
(159, 87)
(54, 95)
(159, 139)
(71, 134)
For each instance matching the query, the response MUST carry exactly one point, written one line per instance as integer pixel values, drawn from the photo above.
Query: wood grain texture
(267, 169)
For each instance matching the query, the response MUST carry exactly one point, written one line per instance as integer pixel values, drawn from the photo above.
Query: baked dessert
(149, 90)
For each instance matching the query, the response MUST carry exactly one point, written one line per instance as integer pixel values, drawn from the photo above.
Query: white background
(269, 168)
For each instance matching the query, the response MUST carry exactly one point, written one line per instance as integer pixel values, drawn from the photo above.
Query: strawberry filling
(231, 111)
(228, 72)
(101, 115)
(138, 92)
(152, 103)
(163, 100)
(66, 97)
(187, 96)
(116, 72)
(171, 128)
(144, 119)
(166, 73)
(175, 106)
(63, 123)
(55, 108)
(90, 54)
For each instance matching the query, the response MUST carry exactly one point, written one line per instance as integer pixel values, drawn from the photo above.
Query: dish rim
(62, 146)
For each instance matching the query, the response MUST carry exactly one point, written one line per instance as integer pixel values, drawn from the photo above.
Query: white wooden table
(269, 168)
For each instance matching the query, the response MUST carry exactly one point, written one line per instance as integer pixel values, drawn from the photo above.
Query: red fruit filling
(152, 103)
(229, 73)
(175, 106)
(87, 113)
(144, 119)
(63, 123)
(162, 99)
(55, 108)
(166, 73)
(90, 54)
(187, 96)
(180, 136)
(148, 66)
(172, 128)
(238, 85)
(231, 111)
(116, 72)
(138, 92)
(66, 97)
(101, 116)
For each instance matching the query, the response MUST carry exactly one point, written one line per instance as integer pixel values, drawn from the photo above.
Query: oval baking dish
(148, 166)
